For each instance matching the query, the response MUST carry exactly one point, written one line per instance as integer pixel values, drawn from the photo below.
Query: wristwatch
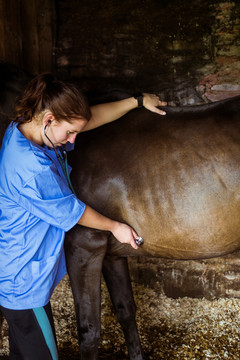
(139, 97)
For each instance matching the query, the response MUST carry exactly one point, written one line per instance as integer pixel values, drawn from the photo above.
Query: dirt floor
(170, 329)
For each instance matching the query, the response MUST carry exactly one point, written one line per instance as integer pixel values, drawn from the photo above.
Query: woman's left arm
(105, 113)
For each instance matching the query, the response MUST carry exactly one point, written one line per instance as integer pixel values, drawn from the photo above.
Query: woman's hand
(122, 232)
(151, 102)
(125, 234)
(108, 112)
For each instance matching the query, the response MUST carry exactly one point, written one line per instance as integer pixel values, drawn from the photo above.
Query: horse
(175, 180)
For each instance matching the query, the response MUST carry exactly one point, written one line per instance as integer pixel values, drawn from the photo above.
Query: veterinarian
(38, 205)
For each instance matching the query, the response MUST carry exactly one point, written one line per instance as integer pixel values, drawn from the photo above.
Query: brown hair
(44, 92)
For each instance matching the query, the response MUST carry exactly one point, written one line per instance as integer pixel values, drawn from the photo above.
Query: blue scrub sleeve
(48, 197)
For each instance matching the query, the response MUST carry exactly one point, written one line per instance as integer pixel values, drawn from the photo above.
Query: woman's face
(62, 132)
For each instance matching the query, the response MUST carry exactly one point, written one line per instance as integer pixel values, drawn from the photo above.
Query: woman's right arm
(122, 232)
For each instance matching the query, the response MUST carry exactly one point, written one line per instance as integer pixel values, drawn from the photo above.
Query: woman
(37, 205)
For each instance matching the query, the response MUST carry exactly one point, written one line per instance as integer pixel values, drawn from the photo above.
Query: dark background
(163, 46)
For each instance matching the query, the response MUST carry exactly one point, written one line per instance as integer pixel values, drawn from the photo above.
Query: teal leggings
(31, 333)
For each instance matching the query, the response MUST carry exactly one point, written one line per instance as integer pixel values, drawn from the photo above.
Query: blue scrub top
(36, 209)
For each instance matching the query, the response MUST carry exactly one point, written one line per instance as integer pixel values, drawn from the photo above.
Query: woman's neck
(31, 131)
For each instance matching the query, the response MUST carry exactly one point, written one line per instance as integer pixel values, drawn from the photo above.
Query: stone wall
(169, 47)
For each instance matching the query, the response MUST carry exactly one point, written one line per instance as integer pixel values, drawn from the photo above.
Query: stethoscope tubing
(63, 162)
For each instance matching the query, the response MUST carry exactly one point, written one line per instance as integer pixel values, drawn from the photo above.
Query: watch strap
(139, 97)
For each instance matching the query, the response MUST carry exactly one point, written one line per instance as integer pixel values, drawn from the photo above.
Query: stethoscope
(62, 160)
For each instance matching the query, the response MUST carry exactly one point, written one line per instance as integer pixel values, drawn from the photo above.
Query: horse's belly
(190, 232)
(194, 222)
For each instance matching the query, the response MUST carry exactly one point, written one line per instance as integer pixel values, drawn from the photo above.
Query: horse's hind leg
(116, 274)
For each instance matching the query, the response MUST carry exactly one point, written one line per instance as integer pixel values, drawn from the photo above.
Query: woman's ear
(48, 118)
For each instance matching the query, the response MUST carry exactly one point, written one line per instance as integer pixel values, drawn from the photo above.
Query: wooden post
(10, 32)
(27, 34)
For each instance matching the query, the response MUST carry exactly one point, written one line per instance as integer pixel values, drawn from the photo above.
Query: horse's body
(175, 180)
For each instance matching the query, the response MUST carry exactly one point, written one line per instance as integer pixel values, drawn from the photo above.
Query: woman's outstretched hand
(151, 102)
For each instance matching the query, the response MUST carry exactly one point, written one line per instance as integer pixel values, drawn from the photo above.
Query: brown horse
(175, 180)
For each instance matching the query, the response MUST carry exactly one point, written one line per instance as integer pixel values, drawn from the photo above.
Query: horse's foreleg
(85, 249)
(116, 275)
